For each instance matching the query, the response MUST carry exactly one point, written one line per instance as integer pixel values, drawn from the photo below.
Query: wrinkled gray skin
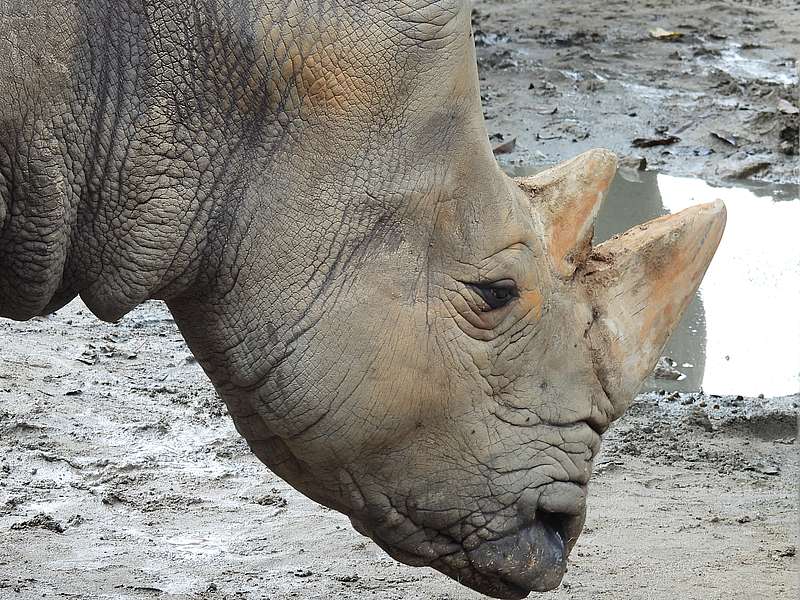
(310, 188)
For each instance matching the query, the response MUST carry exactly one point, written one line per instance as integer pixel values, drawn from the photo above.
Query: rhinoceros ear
(639, 284)
(566, 198)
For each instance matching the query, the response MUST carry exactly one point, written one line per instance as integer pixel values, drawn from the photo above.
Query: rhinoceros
(399, 330)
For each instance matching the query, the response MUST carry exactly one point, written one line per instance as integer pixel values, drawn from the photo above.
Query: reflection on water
(741, 334)
(735, 63)
(751, 292)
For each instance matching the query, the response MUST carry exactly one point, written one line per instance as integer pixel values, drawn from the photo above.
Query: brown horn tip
(640, 283)
(567, 198)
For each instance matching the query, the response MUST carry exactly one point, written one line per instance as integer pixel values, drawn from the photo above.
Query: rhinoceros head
(400, 330)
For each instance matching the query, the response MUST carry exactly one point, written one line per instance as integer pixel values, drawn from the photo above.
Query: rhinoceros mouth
(534, 558)
(530, 558)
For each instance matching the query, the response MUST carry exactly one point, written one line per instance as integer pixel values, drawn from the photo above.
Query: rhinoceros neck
(122, 136)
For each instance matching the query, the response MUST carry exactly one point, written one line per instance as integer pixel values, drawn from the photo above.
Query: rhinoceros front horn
(639, 283)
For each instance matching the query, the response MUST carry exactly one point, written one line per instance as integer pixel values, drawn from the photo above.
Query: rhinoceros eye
(496, 294)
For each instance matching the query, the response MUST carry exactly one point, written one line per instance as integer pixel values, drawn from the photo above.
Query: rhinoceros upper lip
(530, 557)
(533, 558)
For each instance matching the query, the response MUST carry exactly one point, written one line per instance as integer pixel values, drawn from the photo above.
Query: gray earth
(561, 77)
(122, 477)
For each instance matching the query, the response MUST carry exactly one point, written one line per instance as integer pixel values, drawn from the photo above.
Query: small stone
(763, 468)
(787, 148)
(631, 449)
(75, 520)
(665, 369)
(787, 107)
(302, 573)
(271, 500)
(698, 418)
(41, 521)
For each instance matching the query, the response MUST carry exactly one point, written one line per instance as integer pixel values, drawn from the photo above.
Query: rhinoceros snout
(531, 559)
(528, 553)
(534, 557)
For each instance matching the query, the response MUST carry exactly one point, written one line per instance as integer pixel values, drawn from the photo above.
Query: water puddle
(733, 61)
(741, 334)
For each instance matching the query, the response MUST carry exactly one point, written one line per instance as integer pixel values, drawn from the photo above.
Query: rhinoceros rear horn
(566, 198)
(639, 284)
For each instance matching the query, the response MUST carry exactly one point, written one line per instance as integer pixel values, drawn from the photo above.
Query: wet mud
(121, 477)
(717, 100)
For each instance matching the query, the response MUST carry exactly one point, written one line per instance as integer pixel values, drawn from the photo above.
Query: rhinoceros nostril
(553, 521)
(599, 424)
(567, 527)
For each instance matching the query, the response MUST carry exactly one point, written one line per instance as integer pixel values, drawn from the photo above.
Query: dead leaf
(727, 137)
(662, 34)
(656, 141)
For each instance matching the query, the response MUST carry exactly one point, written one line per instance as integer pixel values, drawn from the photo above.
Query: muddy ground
(122, 477)
(718, 101)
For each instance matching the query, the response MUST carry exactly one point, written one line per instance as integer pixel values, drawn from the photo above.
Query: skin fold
(398, 329)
